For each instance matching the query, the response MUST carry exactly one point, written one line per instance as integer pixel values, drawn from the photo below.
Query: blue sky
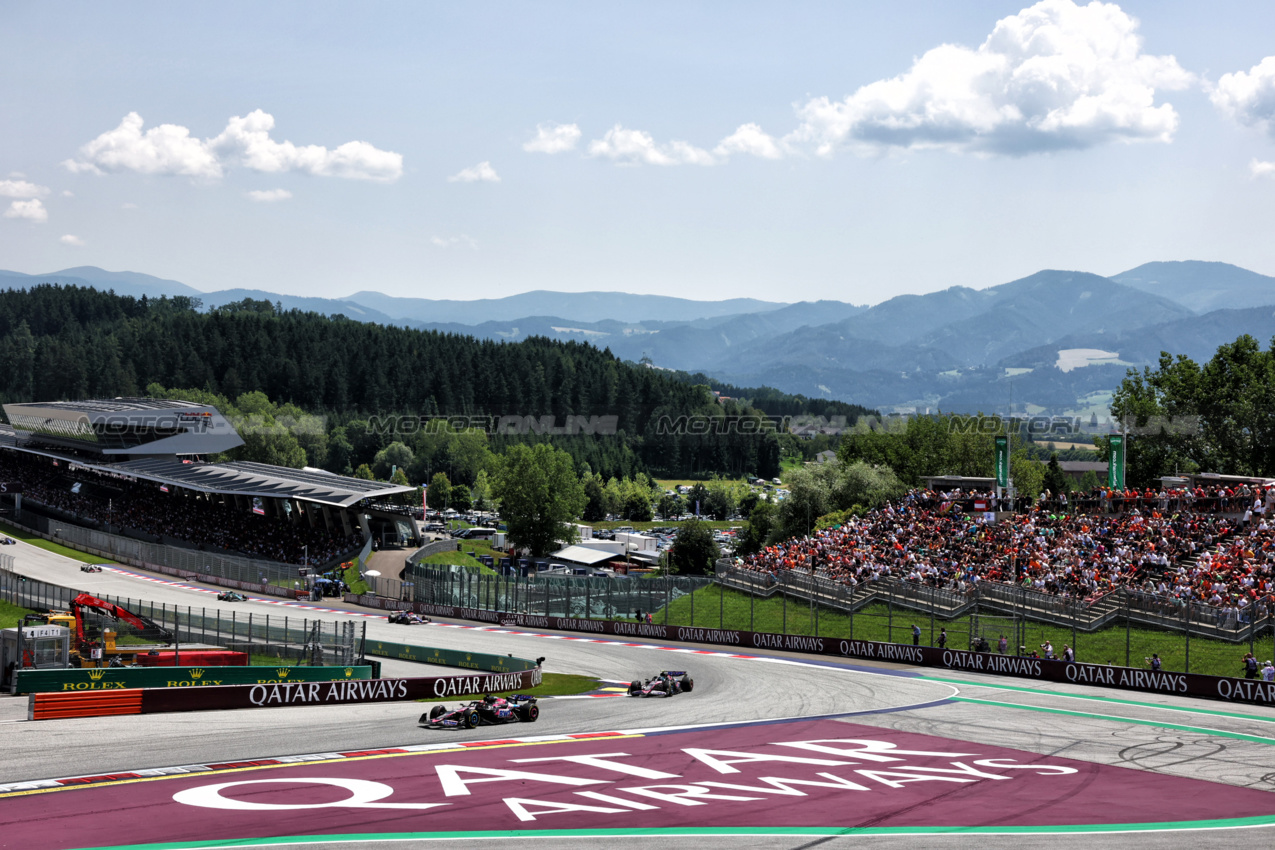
(781, 151)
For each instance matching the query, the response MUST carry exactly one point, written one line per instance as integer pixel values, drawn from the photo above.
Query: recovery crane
(85, 644)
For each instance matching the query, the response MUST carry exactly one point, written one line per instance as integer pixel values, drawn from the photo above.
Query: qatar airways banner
(1102, 675)
(273, 695)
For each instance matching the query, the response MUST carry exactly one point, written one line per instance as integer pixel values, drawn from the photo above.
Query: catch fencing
(161, 557)
(267, 639)
(1122, 627)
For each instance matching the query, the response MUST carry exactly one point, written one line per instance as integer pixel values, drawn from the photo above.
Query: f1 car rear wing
(673, 673)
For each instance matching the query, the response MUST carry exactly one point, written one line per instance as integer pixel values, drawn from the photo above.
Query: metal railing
(290, 639)
(140, 553)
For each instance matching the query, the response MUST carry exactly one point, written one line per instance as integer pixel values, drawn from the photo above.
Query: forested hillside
(71, 342)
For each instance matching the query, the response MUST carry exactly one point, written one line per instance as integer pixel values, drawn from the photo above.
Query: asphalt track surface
(1135, 758)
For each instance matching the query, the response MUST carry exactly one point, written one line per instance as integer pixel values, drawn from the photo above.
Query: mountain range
(1055, 341)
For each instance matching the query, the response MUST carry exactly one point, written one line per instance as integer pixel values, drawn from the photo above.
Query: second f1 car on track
(91, 568)
(231, 596)
(489, 710)
(665, 684)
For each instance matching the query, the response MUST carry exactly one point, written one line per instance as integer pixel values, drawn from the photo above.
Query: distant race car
(407, 618)
(90, 568)
(7, 541)
(666, 684)
(487, 711)
(231, 596)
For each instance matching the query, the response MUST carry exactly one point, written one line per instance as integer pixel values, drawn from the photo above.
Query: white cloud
(68, 239)
(128, 205)
(32, 210)
(21, 189)
(633, 147)
(1054, 76)
(750, 139)
(266, 196)
(171, 149)
(451, 241)
(553, 138)
(482, 172)
(1261, 169)
(1249, 97)
(67, 193)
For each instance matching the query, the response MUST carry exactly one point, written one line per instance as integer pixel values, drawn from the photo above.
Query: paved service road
(1100, 757)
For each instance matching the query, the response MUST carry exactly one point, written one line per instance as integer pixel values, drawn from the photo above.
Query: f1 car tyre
(470, 719)
(531, 713)
(688, 684)
(634, 687)
(437, 711)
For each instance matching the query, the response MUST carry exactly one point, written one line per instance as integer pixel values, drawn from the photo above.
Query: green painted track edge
(1201, 730)
(1111, 700)
(1224, 823)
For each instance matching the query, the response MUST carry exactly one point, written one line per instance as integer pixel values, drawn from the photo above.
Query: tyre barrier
(53, 706)
(59, 706)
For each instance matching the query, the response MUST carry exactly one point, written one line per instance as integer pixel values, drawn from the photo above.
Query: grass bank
(55, 548)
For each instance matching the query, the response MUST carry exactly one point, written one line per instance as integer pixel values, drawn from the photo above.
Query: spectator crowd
(1205, 547)
(195, 519)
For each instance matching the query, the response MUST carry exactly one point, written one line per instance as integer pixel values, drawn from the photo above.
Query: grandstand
(1204, 545)
(138, 467)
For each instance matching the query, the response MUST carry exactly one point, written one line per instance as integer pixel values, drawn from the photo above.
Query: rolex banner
(1115, 461)
(120, 678)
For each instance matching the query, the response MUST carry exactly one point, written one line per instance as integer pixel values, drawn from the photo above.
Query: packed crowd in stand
(1202, 547)
(142, 507)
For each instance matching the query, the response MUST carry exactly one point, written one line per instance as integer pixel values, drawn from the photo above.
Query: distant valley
(959, 349)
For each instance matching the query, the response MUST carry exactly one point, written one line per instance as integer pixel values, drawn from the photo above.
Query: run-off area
(799, 775)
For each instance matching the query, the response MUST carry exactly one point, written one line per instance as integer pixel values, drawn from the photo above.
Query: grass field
(715, 608)
(11, 615)
(460, 559)
(55, 548)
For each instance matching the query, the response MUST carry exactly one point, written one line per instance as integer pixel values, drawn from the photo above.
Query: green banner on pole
(1115, 461)
(1002, 461)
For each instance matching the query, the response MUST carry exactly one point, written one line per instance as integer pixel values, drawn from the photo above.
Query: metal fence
(1123, 626)
(139, 553)
(271, 639)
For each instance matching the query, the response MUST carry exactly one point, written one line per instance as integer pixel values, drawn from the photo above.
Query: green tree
(460, 497)
(671, 505)
(396, 455)
(481, 496)
(439, 494)
(595, 505)
(364, 472)
(694, 550)
(757, 531)
(1056, 481)
(540, 496)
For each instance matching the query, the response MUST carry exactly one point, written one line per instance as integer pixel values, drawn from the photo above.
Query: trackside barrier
(1101, 675)
(449, 657)
(62, 706)
(127, 678)
(275, 695)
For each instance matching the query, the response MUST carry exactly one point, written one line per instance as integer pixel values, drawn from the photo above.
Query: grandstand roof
(113, 405)
(125, 426)
(236, 478)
